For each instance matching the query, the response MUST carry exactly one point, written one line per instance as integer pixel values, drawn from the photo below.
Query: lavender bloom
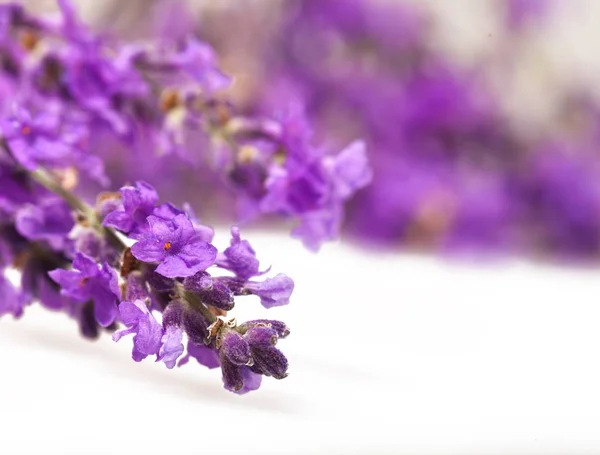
(34, 140)
(147, 331)
(87, 281)
(138, 203)
(50, 220)
(171, 343)
(176, 246)
(240, 257)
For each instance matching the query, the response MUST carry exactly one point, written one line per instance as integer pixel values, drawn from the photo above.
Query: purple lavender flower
(87, 281)
(34, 140)
(176, 246)
(147, 331)
(171, 343)
(138, 203)
(240, 257)
(50, 220)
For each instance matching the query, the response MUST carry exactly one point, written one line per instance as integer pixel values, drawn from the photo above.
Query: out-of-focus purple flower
(37, 285)
(194, 59)
(50, 220)
(89, 281)
(34, 140)
(11, 300)
(350, 170)
(176, 246)
(520, 12)
(147, 331)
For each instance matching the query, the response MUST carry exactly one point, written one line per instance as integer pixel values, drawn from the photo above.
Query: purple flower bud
(261, 336)
(238, 379)
(211, 292)
(236, 348)
(270, 361)
(158, 282)
(196, 326)
(232, 374)
(280, 328)
(139, 321)
(273, 291)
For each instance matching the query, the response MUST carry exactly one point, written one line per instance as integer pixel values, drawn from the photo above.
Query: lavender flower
(50, 220)
(139, 202)
(87, 281)
(139, 321)
(176, 245)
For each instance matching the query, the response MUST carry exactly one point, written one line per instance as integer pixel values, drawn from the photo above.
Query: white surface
(389, 354)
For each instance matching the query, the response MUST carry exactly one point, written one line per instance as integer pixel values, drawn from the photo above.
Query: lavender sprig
(128, 264)
(93, 276)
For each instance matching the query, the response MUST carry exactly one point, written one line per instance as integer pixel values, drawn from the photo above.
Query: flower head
(138, 203)
(147, 331)
(89, 281)
(176, 246)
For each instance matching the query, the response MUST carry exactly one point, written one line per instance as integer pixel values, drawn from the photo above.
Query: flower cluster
(453, 167)
(121, 111)
(81, 110)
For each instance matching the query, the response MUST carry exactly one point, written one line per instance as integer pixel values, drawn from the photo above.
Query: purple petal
(172, 347)
(149, 249)
(203, 354)
(273, 291)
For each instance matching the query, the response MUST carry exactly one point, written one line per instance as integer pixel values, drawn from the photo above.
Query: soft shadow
(172, 382)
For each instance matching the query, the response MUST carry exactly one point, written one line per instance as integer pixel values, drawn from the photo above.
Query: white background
(389, 354)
